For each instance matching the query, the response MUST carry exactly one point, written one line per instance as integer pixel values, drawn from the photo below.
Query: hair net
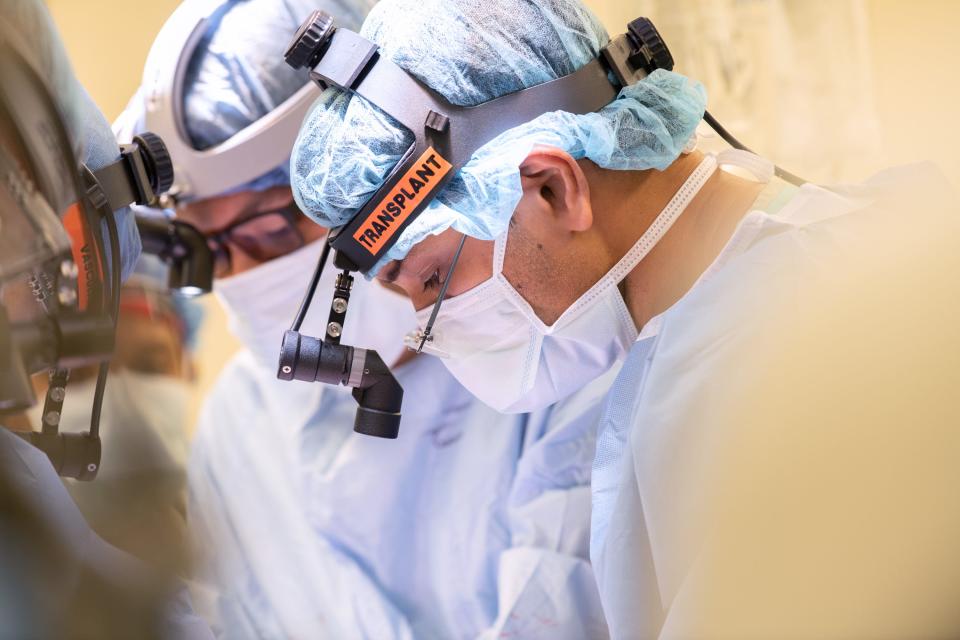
(472, 52)
(93, 140)
(238, 75)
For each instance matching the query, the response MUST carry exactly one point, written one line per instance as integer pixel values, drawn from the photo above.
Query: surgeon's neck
(630, 201)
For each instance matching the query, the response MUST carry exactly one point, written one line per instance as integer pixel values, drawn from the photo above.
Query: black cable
(98, 399)
(115, 268)
(111, 265)
(443, 293)
(783, 174)
(311, 289)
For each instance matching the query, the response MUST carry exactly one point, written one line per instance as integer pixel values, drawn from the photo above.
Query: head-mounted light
(246, 155)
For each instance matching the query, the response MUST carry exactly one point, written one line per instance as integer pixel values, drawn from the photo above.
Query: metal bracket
(345, 61)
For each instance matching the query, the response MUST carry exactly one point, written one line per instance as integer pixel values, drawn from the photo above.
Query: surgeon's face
(249, 228)
(554, 252)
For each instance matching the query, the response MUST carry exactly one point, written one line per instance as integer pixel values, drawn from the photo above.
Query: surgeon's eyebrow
(392, 271)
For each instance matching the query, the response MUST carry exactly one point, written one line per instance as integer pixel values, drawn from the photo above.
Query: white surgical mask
(495, 345)
(262, 302)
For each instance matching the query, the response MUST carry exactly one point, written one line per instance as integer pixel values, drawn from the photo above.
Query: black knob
(156, 160)
(310, 41)
(651, 51)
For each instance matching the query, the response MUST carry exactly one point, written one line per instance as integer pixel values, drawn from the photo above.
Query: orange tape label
(84, 256)
(412, 189)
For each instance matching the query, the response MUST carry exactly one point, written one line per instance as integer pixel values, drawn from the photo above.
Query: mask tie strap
(426, 337)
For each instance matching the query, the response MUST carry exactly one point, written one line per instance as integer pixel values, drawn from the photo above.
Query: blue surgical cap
(472, 52)
(93, 140)
(237, 75)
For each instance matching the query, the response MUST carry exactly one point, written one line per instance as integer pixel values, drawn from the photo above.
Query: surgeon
(60, 579)
(470, 524)
(607, 238)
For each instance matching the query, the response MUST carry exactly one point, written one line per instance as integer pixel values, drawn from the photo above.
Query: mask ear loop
(443, 292)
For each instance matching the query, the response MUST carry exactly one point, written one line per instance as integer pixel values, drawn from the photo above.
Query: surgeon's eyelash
(433, 282)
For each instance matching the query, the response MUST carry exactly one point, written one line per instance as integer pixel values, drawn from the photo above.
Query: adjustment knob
(651, 52)
(310, 41)
(156, 160)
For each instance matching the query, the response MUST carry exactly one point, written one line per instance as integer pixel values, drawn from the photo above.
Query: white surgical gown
(778, 457)
(470, 524)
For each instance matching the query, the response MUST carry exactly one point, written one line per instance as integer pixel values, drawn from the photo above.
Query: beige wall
(912, 72)
(913, 48)
(108, 41)
(916, 53)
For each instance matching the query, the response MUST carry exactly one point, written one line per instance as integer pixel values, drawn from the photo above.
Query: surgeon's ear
(555, 187)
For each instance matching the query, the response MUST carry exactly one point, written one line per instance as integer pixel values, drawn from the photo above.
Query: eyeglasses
(263, 236)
